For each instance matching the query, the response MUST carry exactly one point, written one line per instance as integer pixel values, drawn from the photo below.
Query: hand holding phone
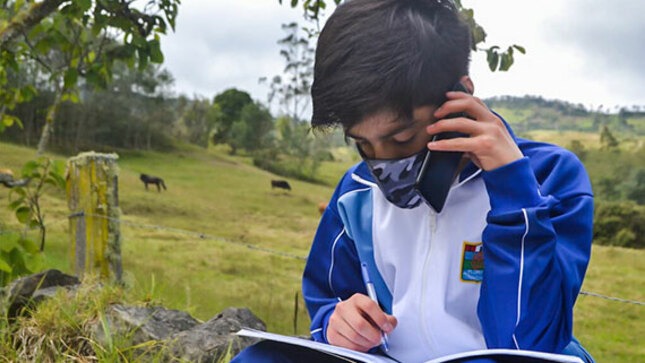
(439, 168)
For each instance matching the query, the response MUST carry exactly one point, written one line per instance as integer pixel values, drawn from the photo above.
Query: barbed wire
(205, 236)
(611, 298)
(199, 235)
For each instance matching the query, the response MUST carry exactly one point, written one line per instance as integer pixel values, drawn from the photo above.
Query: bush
(290, 167)
(619, 224)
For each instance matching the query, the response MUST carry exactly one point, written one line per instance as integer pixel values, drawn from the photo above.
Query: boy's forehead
(385, 123)
(378, 123)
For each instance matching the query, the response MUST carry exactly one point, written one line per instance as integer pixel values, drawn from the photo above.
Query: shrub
(284, 165)
(619, 224)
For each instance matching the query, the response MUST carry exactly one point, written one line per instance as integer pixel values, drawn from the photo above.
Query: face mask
(396, 178)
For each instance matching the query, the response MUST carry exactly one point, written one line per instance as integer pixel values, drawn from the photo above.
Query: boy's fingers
(392, 322)
(373, 312)
(460, 124)
(372, 319)
(352, 323)
(345, 334)
(462, 102)
(335, 337)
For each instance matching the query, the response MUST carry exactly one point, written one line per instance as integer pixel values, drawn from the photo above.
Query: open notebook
(502, 355)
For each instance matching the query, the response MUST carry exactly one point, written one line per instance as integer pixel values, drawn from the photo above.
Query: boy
(500, 266)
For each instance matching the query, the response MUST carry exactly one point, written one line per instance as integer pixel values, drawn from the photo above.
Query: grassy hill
(529, 113)
(219, 236)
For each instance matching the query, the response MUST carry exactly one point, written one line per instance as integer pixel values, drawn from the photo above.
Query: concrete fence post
(93, 200)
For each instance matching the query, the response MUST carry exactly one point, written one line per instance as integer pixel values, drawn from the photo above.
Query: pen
(371, 292)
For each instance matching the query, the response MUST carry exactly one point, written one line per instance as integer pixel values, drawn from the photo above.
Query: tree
(199, 120)
(619, 224)
(252, 129)
(72, 40)
(637, 192)
(578, 148)
(497, 58)
(294, 139)
(136, 111)
(607, 139)
(608, 188)
(293, 88)
(230, 102)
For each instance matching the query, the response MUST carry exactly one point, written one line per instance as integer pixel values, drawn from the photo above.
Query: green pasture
(220, 236)
(591, 141)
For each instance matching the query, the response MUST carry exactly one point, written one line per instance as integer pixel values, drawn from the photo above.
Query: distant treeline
(135, 112)
(537, 113)
(140, 111)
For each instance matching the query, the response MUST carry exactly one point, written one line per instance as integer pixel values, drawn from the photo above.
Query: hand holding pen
(371, 292)
(358, 323)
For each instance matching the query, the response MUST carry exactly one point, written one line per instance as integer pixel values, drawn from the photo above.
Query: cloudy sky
(590, 52)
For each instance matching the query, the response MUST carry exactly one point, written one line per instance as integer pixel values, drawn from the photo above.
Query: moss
(92, 187)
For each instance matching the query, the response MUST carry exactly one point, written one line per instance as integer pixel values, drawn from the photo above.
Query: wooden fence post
(93, 200)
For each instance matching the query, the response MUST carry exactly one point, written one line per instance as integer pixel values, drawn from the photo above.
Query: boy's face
(383, 135)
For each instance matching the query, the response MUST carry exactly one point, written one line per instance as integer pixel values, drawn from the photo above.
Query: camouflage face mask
(396, 178)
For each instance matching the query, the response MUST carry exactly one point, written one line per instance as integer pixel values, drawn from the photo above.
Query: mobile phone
(439, 168)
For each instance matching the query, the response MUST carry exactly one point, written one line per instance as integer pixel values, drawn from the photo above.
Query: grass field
(219, 237)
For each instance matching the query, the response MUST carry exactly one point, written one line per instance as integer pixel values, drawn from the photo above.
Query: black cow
(6, 179)
(149, 179)
(282, 184)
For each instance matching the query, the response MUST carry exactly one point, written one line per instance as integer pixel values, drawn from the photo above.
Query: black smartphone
(439, 168)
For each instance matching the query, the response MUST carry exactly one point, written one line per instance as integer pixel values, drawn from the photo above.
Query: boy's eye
(403, 142)
(403, 138)
(364, 146)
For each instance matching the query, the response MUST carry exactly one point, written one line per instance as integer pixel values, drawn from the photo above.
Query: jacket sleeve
(332, 272)
(537, 246)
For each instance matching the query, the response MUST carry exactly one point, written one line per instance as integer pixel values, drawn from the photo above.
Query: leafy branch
(70, 40)
(26, 198)
(497, 60)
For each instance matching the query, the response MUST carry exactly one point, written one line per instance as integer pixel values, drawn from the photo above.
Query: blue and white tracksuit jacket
(500, 267)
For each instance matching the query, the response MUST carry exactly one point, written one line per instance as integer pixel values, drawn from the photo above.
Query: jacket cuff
(512, 187)
(321, 320)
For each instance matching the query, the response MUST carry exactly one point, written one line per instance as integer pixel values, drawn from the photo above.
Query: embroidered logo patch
(472, 262)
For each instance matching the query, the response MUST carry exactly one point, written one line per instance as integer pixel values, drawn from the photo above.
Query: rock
(24, 293)
(215, 338)
(141, 324)
(155, 333)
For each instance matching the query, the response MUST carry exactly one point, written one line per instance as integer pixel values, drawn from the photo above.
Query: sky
(589, 52)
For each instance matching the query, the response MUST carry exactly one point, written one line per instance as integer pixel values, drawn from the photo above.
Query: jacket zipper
(427, 334)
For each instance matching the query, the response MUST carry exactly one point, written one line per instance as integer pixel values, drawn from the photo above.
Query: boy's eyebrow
(348, 134)
(401, 128)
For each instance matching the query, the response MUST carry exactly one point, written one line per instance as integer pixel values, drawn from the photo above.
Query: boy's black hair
(387, 55)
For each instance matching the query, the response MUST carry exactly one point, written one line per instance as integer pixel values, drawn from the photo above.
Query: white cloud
(582, 51)
(223, 44)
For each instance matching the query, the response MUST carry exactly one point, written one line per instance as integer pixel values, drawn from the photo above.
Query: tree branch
(26, 20)
(34, 55)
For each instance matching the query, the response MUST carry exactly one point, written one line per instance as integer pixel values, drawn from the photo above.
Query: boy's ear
(468, 83)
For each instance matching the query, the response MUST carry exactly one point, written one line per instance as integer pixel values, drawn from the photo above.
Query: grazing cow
(282, 184)
(6, 176)
(321, 207)
(149, 179)
(6, 179)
